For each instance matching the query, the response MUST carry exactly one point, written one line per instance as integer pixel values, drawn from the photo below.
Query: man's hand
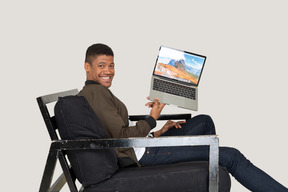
(156, 108)
(169, 124)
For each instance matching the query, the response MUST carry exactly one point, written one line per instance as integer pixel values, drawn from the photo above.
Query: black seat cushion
(76, 120)
(178, 177)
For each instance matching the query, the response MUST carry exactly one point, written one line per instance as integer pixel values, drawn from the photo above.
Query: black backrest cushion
(76, 120)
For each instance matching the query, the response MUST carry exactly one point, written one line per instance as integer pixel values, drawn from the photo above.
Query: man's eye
(101, 66)
(111, 66)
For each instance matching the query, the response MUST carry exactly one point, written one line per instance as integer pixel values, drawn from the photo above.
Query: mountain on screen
(179, 64)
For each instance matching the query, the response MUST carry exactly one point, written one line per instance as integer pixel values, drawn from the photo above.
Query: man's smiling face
(101, 70)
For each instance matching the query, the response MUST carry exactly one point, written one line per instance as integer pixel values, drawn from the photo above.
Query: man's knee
(230, 157)
(207, 117)
(230, 151)
(208, 120)
(203, 118)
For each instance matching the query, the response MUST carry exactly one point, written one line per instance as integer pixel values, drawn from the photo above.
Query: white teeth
(106, 78)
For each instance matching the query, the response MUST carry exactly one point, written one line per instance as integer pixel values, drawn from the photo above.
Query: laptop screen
(179, 65)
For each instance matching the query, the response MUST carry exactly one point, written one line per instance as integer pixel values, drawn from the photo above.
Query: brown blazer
(113, 115)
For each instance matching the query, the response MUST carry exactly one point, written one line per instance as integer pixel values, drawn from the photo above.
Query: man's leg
(241, 168)
(246, 173)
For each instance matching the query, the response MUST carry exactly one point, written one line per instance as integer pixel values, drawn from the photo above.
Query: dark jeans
(236, 163)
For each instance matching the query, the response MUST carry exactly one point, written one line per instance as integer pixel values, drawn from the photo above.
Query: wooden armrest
(161, 117)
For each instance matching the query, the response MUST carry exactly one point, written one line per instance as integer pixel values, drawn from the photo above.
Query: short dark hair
(96, 50)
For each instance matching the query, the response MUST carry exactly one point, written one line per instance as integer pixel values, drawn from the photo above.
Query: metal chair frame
(59, 147)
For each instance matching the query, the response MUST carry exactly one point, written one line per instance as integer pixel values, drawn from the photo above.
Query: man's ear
(87, 66)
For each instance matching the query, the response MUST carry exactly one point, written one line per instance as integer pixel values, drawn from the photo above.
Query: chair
(211, 172)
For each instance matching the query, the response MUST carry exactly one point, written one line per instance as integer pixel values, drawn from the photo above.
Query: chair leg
(82, 189)
(48, 171)
(67, 173)
(58, 184)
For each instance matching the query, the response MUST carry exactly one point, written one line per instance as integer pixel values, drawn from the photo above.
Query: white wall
(243, 87)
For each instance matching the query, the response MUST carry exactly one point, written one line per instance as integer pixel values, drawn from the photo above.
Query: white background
(243, 86)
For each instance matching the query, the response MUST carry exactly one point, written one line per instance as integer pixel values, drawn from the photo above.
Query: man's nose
(107, 70)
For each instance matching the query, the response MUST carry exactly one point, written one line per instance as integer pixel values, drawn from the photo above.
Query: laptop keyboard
(174, 89)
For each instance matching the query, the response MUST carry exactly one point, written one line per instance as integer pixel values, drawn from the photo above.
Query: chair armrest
(161, 117)
(135, 142)
(92, 144)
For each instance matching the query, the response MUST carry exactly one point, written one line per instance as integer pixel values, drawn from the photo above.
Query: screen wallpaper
(179, 65)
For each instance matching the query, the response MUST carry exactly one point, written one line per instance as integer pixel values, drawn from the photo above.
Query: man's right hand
(156, 108)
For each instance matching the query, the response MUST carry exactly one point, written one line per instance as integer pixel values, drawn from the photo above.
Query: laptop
(176, 77)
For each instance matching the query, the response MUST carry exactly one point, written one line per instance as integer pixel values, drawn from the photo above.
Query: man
(99, 67)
